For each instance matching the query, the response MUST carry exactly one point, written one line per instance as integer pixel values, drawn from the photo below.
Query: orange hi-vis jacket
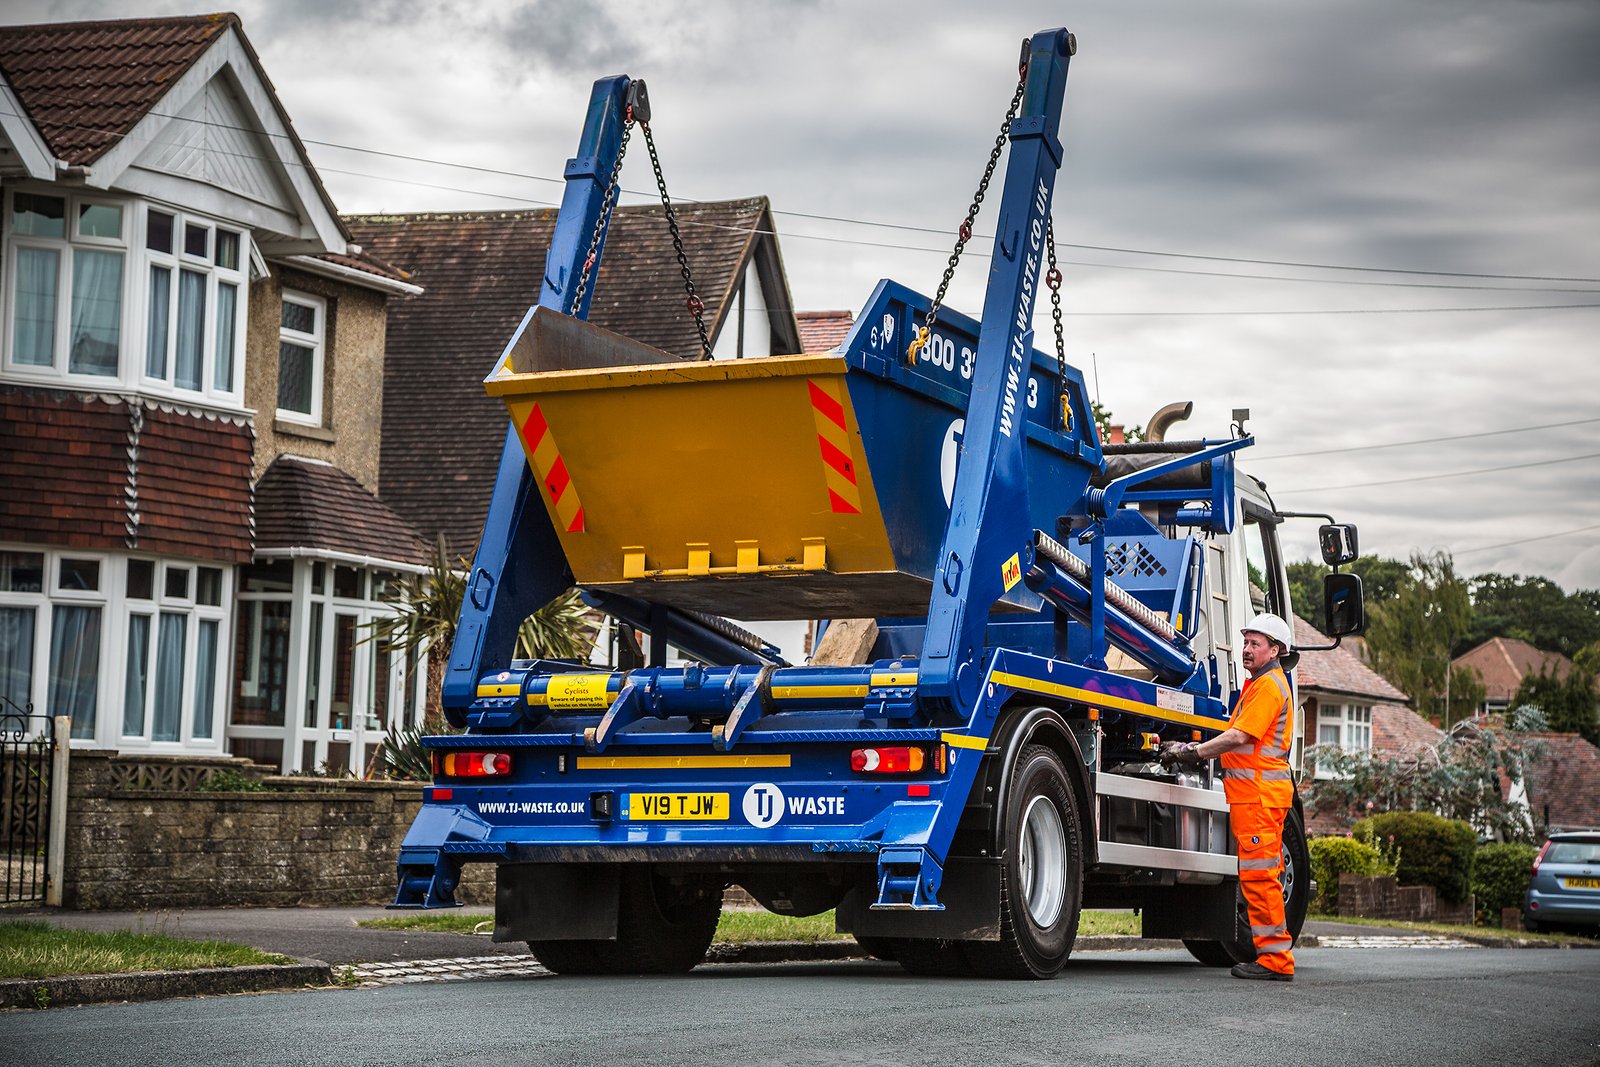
(1265, 711)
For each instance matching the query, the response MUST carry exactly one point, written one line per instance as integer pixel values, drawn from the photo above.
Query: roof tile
(307, 504)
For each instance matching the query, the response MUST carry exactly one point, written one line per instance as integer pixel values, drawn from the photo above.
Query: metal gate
(27, 751)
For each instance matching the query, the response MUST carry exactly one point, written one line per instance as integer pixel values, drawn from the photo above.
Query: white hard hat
(1271, 626)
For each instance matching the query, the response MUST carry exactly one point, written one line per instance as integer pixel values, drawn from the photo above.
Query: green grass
(33, 949)
(738, 925)
(1447, 929)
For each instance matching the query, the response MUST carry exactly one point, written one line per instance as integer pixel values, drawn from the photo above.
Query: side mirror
(1338, 541)
(1343, 611)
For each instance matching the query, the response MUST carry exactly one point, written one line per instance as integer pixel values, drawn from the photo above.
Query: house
(1502, 663)
(443, 435)
(1562, 789)
(191, 379)
(824, 331)
(1348, 704)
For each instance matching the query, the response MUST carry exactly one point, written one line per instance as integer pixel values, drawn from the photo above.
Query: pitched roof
(824, 331)
(86, 84)
(1338, 670)
(1397, 730)
(304, 503)
(1564, 785)
(481, 271)
(1503, 662)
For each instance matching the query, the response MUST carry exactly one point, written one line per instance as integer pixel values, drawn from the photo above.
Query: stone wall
(1386, 898)
(151, 832)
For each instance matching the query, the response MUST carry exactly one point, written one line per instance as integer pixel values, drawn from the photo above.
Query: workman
(1256, 775)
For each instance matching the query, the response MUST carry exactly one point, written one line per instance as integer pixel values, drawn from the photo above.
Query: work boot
(1255, 970)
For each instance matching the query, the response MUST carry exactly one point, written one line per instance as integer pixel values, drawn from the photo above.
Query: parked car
(1565, 890)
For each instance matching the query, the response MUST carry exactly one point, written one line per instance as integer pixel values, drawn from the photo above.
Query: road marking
(454, 969)
(1390, 941)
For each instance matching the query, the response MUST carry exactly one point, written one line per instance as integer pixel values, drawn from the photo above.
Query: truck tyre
(664, 926)
(1295, 878)
(882, 948)
(931, 957)
(1041, 880)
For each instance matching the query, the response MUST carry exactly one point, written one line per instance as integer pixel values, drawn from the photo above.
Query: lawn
(33, 949)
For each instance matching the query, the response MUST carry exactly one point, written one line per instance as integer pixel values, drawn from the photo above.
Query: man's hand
(1179, 752)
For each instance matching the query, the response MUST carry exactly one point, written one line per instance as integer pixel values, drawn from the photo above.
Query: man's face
(1258, 651)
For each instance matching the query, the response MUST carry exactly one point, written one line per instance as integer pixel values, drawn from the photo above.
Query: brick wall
(1386, 898)
(144, 832)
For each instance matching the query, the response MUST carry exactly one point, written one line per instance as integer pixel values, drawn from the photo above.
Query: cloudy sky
(1371, 223)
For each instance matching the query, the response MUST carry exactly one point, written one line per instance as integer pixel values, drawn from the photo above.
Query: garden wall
(1386, 898)
(152, 832)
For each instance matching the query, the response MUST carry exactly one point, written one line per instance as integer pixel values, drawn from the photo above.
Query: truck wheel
(664, 926)
(882, 948)
(1295, 878)
(931, 957)
(1041, 881)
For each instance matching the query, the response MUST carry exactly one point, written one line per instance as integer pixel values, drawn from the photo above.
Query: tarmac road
(1368, 1007)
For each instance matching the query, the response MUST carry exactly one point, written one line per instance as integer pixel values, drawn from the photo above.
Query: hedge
(1333, 856)
(1500, 877)
(1433, 850)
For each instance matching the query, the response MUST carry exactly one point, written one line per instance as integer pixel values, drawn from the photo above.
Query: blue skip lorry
(1020, 612)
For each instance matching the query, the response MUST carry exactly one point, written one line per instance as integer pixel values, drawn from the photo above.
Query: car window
(1574, 852)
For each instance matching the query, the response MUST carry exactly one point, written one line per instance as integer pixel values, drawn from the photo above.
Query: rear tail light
(1540, 857)
(890, 760)
(471, 764)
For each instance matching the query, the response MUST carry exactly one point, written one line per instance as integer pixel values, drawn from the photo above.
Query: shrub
(1433, 850)
(230, 780)
(1500, 876)
(1333, 856)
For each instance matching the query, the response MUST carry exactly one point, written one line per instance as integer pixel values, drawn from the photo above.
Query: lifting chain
(696, 306)
(1052, 279)
(600, 223)
(638, 100)
(965, 233)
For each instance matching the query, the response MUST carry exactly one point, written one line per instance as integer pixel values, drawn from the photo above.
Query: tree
(1532, 609)
(1569, 703)
(1411, 635)
(1460, 777)
(1380, 583)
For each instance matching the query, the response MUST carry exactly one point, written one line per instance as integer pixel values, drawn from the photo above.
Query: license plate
(1583, 883)
(650, 807)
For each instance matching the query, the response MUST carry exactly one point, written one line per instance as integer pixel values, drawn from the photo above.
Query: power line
(1452, 474)
(1525, 540)
(846, 220)
(1421, 441)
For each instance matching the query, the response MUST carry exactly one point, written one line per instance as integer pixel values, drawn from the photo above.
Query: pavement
(330, 947)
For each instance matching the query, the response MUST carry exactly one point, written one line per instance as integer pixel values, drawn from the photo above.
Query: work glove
(1179, 752)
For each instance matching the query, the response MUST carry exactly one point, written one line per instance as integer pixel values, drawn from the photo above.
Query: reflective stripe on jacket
(1261, 774)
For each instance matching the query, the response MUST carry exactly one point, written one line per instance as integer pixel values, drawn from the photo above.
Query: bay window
(66, 263)
(193, 305)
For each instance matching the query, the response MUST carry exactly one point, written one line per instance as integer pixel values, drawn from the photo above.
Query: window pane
(228, 249)
(208, 587)
(261, 663)
(37, 271)
(205, 678)
(16, 656)
(191, 327)
(314, 667)
(344, 666)
(227, 334)
(100, 220)
(295, 369)
(96, 336)
(378, 667)
(79, 574)
(138, 671)
(347, 582)
(141, 579)
(38, 216)
(168, 710)
(158, 232)
(177, 583)
(271, 576)
(21, 572)
(75, 665)
(197, 240)
(155, 358)
(301, 318)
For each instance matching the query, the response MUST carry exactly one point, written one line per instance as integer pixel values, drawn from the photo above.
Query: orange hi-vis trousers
(1258, 831)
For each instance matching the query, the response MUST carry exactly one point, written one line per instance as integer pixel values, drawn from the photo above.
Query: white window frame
(134, 319)
(196, 613)
(317, 343)
(1352, 726)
